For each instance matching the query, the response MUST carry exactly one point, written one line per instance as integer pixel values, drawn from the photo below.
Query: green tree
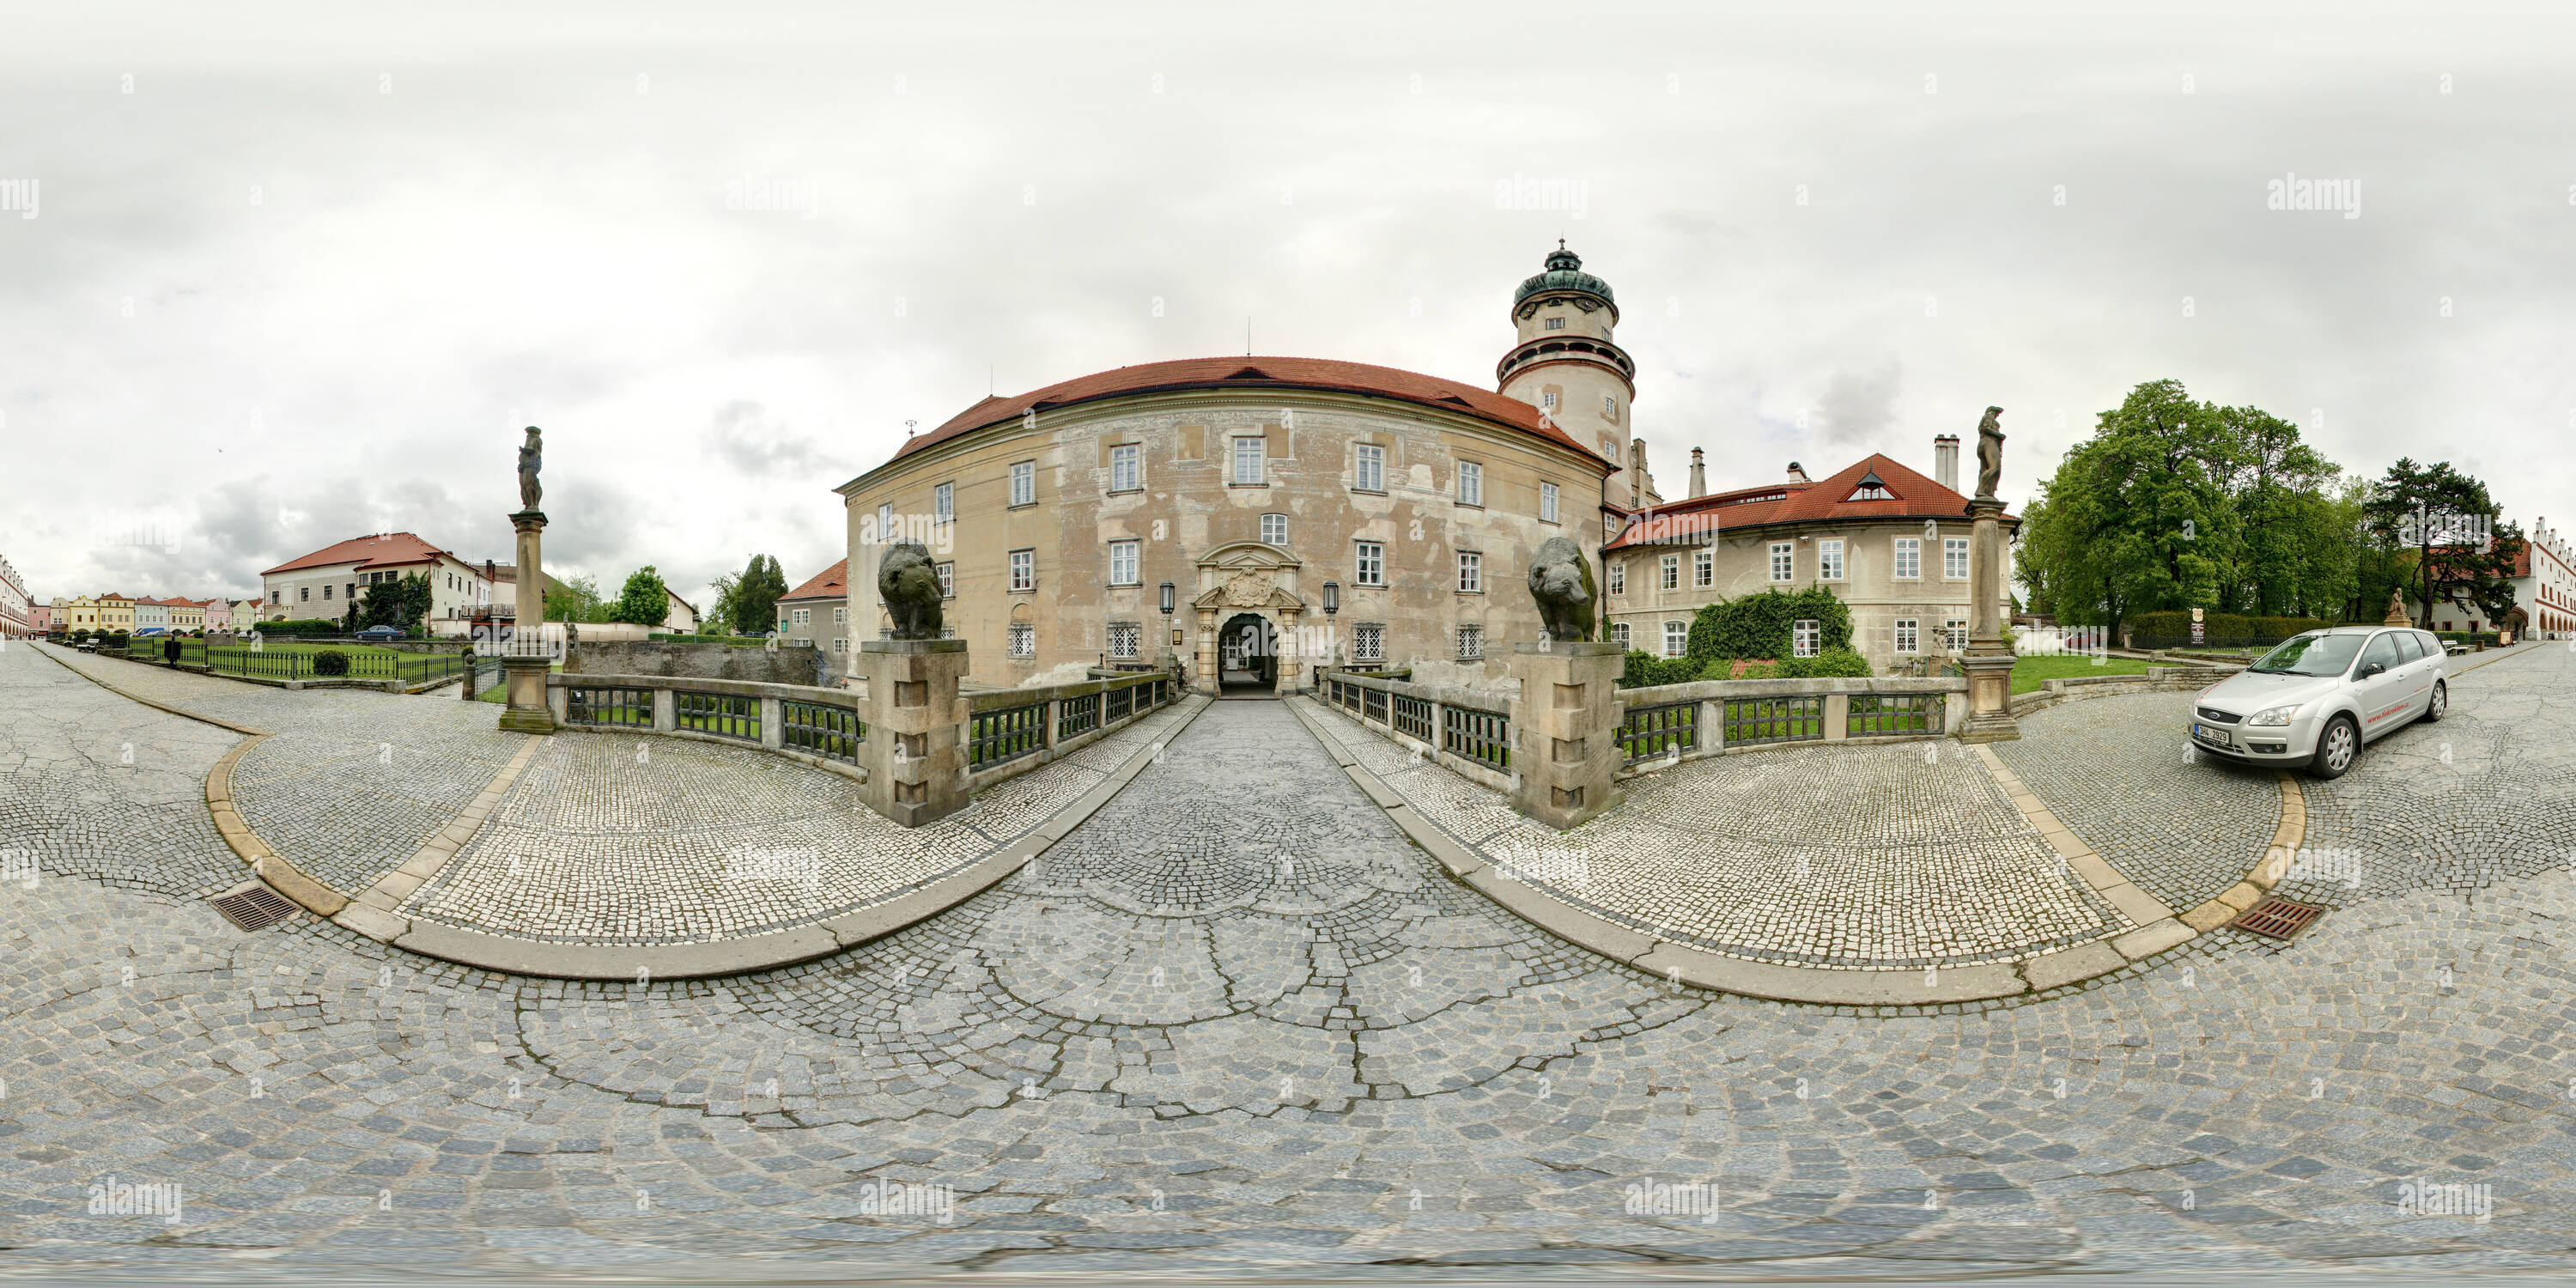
(748, 604)
(572, 599)
(402, 603)
(2450, 532)
(645, 601)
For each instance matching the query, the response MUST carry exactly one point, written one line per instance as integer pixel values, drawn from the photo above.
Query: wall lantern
(1332, 598)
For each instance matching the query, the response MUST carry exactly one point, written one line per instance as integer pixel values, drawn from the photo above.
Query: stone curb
(644, 963)
(374, 912)
(2155, 928)
(157, 706)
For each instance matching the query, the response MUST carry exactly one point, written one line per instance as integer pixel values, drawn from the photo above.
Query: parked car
(2315, 699)
(382, 633)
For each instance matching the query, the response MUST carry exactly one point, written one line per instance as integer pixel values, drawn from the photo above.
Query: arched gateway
(1250, 616)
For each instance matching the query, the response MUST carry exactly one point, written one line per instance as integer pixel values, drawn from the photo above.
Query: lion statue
(1560, 579)
(909, 584)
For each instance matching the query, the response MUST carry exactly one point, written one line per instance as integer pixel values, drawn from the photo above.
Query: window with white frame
(1829, 560)
(1803, 637)
(1618, 576)
(1547, 400)
(1368, 467)
(1954, 558)
(1248, 462)
(1672, 572)
(1909, 632)
(1619, 635)
(841, 616)
(1609, 406)
(947, 579)
(1547, 503)
(1955, 633)
(1909, 559)
(1124, 569)
(1551, 324)
(841, 645)
(1126, 467)
(1368, 642)
(801, 616)
(943, 502)
(1471, 572)
(1024, 483)
(1703, 568)
(1372, 564)
(1123, 639)
(1676, 638)
(1024, 639)
(1784, 560)
(1471, 483)
(1471, 643)
(885, 523)
(1274, 529)
(1024, 570)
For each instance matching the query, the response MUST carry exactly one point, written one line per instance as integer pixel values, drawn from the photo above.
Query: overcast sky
(299, 272)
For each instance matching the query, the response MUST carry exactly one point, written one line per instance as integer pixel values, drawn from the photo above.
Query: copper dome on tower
(1564, 273)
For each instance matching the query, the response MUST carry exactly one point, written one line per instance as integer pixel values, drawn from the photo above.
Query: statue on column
(531, 459)
(1990, 454)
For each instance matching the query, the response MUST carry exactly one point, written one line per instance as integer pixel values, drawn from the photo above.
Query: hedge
(330, 661)
(300, 626)
(1762, 625)
(2232, 625)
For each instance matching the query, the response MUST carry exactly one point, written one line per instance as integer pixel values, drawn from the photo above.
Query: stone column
(1289, 660)
(915, 751)
(1988, 661)
(524, 666)
(1207, 679)
(1565, 746)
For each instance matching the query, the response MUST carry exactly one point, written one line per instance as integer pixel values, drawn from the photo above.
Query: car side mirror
(2368, 670)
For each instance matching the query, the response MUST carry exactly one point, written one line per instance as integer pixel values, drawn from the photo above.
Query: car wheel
(2441, 702)
(2337, 748)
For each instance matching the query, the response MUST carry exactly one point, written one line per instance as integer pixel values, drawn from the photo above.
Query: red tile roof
(1257, 373)
(831, 583)
(377, 549)
(1827, 500)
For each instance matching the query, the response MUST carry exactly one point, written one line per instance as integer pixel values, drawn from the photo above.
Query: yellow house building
(115, 613)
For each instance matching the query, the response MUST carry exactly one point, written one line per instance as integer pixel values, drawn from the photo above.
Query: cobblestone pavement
(1232, 1026)
(627, 838)
(2180, 826)
(1900, 856)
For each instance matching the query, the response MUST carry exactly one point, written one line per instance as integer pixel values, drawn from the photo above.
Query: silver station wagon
(2318, 697)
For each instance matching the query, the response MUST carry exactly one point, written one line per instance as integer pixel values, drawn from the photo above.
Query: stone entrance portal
(1251, 588)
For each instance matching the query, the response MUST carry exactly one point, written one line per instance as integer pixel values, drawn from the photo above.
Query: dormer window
(1872, 488)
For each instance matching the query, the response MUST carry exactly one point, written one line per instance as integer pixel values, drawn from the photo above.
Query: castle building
(1254, 517)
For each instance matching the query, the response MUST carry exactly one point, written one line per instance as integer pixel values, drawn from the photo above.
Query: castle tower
(1564, 362)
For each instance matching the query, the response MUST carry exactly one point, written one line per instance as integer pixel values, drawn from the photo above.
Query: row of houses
(325, 582)
(139, 615)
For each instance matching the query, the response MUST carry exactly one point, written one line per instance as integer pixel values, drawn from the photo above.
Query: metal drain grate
(256, 908)
(2278, 918)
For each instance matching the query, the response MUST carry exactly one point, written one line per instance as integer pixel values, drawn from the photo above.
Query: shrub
(1645, 670)
(300, 626)
(1830, 662)
(330, 661)
(1762, 625)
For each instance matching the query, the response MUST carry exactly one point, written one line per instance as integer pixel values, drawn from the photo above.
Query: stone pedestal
(1565, 745)
(1989, 662)
(915, 751)
(524, 669)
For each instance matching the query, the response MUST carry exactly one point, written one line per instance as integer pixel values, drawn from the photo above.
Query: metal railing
(822, 729)
(724, 715)
(1484, 737)
(590, 705)
(1794, 718)
(1077, 715)
(1120, 703)
(1410, 716)
(1005, 734)
(1648, 732)
(1882, 714)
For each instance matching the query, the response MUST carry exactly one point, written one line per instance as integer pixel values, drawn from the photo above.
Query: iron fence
(1373, 705)
(721, 714)
(1005, 734)
(1781, 719)
(1077, 716)
(1484, 737)
(1874, 714)
(1659, 730)
(590, 705)
(1410, 716)
(1121, 703)
(821, 728)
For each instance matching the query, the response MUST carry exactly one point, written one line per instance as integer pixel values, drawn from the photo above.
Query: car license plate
(2214, 737)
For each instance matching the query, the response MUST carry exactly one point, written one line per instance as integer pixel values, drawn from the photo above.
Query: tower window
(1553, 324)
(1547, 399)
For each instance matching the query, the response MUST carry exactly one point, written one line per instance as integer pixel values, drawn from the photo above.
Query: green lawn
(2029, 671)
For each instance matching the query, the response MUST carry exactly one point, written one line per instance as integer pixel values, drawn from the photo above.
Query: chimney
(1798, 473)
(1699, 474)
(1945, 460)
